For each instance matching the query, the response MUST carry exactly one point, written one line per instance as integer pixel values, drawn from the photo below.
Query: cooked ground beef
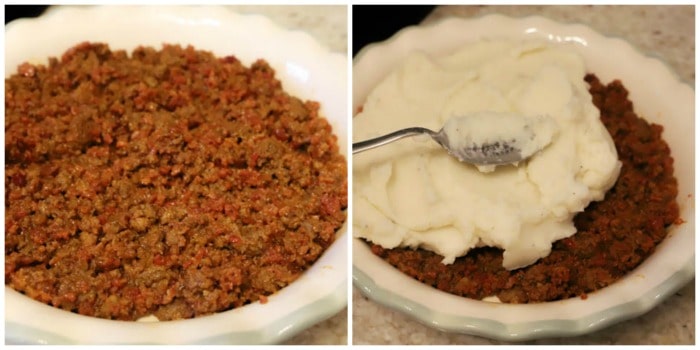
(167, 182)
(614, 235)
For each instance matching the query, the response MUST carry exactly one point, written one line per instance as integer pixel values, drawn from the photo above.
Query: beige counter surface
(664, 31)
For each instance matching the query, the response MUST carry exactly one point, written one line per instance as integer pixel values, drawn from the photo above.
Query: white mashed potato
(411, 193)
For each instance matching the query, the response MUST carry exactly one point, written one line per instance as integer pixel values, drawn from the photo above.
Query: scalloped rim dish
(306, 69)
(669, 268)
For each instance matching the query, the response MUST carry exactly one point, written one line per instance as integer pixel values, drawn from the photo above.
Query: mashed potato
(411, 193)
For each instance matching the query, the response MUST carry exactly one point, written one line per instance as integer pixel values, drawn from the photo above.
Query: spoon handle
(382, 140)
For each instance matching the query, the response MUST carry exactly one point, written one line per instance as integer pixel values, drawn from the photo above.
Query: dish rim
(488, 327)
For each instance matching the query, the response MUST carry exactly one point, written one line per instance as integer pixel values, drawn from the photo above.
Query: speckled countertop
(328, 25)
(665, 31)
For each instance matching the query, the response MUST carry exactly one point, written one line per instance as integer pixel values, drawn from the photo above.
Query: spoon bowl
(482, 139)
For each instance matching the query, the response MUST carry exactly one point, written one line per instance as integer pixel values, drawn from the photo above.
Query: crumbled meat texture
(169, 182)
(614, 235)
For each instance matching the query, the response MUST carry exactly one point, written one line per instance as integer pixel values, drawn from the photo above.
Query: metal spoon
(481, 139)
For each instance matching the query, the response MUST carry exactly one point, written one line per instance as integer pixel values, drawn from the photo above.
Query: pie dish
(668, 101)
(306, 69)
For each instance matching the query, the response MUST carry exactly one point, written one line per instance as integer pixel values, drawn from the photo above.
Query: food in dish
(614, 235)
(166, 182)
(409, 195)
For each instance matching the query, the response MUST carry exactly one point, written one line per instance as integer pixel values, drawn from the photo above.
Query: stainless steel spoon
(471, 138)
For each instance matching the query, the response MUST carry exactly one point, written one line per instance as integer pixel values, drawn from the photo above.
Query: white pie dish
(658, 95)
(306, 69)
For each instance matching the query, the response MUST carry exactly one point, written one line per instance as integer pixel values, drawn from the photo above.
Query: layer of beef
(166, 182)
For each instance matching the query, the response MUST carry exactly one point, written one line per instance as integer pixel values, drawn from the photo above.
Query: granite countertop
(664, 31)
(328, 25)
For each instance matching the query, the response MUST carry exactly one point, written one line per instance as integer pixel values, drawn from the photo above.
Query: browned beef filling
(168, 182)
